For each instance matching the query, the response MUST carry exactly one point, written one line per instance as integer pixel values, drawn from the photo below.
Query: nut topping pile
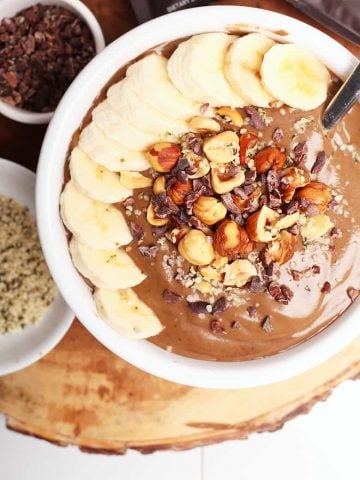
(235, 207)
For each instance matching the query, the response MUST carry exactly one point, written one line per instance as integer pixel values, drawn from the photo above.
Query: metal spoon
(343, 100)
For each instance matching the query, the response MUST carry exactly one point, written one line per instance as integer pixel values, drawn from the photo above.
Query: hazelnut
(209, 210)
(244, 203)
(260, 226)
(202, 166)
(176, 234)
(247, 142)
(287, 221)
(159, 185)
(178, 191)
(315, 193)
(163, 156)
(134, 180)
(269, 158)
(282, 249)
(214, 271)
(316, 227)
(153, 219)
(231, 240)
(231, 115)
(196, 248)
(203, 124)
(293, 178)
(221, 183)
(222, 148)
(239, 273)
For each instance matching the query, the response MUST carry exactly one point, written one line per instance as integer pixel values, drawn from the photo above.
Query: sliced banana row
(221, 69)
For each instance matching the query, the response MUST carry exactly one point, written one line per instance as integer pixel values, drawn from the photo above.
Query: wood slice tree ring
(82, 394)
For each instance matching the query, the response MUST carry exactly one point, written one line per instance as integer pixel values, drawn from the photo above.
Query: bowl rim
(143, 354)
(45, 335)
(25, 116)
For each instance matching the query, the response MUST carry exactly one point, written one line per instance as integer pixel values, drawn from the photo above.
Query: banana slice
(151, 82)
(94, 223)
(119, 129)
(96, 181)
(295, 76)
(123, 311)
(123, 99)
(111, 269)
(196, 69)
(242, 68)
(112, 155)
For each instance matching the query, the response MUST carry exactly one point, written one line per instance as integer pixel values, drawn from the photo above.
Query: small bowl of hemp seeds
(33, 315)
(43, 46)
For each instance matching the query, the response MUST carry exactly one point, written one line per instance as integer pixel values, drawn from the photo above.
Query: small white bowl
(9, 8)
(20, 349)
(67, 119)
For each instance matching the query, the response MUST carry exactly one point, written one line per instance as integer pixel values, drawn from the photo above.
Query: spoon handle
(343, 100)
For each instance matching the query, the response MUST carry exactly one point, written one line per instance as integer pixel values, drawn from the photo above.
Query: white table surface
(323, 445)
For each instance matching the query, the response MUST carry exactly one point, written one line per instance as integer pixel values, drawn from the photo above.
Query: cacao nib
(159, 232)
(287, 292)
(270, 270)
(191, 198)
(129, 201)
(182, 164)
(238, 219)
(251, 311)
(229, 203)
(300, 152)
(158, 199)
(216, 327)
(272, 180)
(266, 324)
(312, 210)
(250, 177)
(220, 305)
(319, 162)
(203, 108)
(248, 189)
(148, 251)
(256, 119)
(162, 211)
(136, 230)
(235, 325)
(256, 285)
(170, 297)
(333, 204)
(315, 269)
(274, 201)
(42, 49)
(352, 293)
(326, 288)
(274, 289)
(265, 258)
(230, 172)
(199, 307)
(296, 275)
(277, 135)
(292, 207)
(240, 192)
(295, 229)
(182, 176)
(335, 233)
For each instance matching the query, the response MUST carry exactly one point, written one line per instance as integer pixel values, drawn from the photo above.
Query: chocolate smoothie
(323, 277)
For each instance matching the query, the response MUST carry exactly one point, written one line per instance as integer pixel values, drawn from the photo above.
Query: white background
(323, 445)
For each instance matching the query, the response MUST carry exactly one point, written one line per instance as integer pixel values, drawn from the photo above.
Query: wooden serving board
(82, 394)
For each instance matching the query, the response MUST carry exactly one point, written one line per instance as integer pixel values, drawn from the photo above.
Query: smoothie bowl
(193, 212)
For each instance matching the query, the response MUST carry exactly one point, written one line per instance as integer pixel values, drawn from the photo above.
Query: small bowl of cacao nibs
(43, 47)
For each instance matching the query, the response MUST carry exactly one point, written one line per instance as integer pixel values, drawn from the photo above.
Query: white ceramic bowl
(8, 8)
(68, 117)
(20, 349)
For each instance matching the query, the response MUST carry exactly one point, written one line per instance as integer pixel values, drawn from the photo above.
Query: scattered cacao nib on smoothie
(207, 207)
